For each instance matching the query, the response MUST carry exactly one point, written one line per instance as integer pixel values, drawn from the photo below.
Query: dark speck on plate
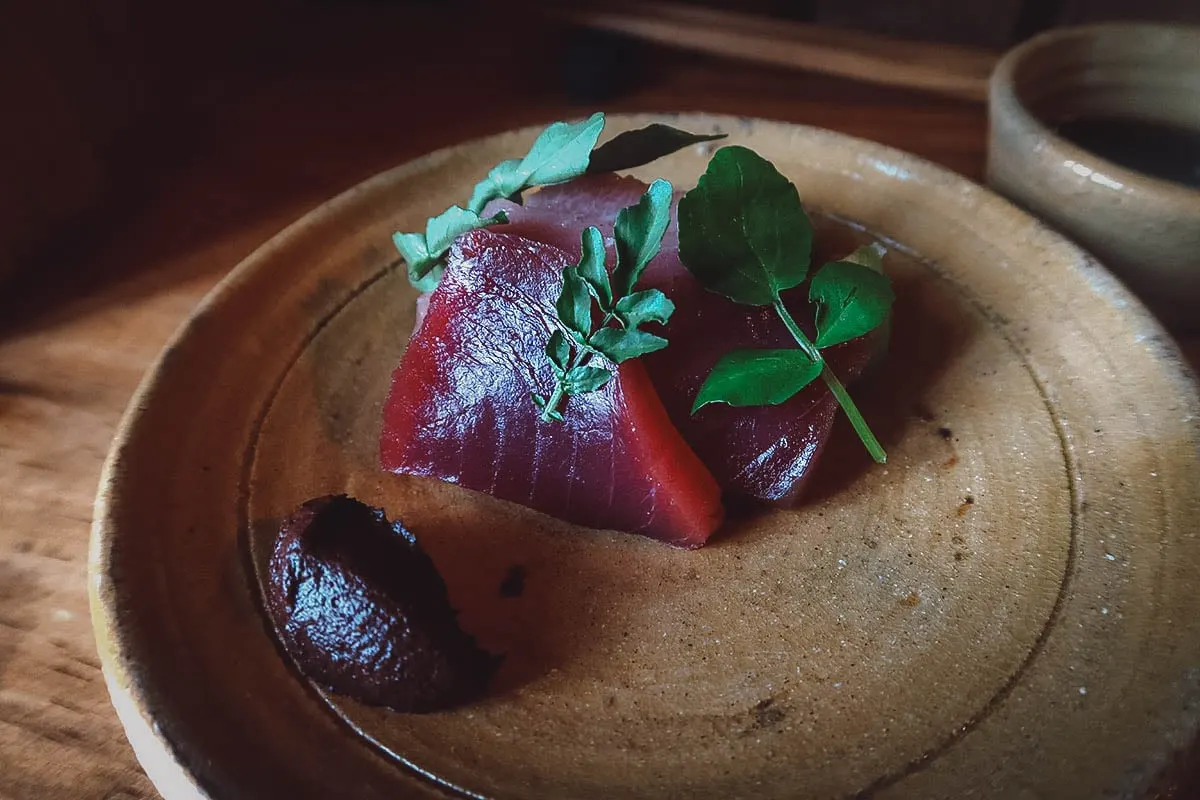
(513, 584)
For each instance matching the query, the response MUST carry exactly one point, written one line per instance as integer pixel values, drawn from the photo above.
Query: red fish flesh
(766, 452)
(460, 408)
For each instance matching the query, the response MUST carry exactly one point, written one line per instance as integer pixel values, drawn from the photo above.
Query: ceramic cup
(1144, 229)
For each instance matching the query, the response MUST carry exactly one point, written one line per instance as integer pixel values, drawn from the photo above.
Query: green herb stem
(808, 347)
(588, 285)
(835, 385)
(852, 413)
(579, 358)
(556, 397)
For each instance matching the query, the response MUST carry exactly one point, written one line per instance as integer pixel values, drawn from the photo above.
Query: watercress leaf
(560, 152)
(415, 252)
(618, 344)
(580, 380)
(430, 280)
(425, 254)
(502, 181)
(635, 148)
(757, 378)
(412, 247)
(592, 269)
(851, 299)
(574, 305)
(442, 230)
(742, 231)
(558, 350)
(539, 401)
(649, 305)
(639, 230)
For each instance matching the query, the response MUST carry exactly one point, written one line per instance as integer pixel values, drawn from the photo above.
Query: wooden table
(78, 334)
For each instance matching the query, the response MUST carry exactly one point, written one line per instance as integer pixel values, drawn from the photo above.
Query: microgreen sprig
(589, 294)
(562, 152)
(743, 234)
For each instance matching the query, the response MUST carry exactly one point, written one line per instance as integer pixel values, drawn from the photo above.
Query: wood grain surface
(940, 68)
(338, 104)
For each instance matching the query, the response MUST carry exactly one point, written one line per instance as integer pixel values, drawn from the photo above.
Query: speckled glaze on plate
(1004, 609)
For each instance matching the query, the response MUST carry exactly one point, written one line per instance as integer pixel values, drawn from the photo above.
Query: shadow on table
(250, 148)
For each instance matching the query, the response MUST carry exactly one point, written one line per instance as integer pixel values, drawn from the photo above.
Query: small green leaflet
(649, 305)
(622, 344)
(558, 351)
(574, 305)
(591, 267)
(581, 380)
(424, 253)
(851, 300)
(743, 233)
(635, 148)
(757, 378)
(638, 232)
(562, 152)
(503, 180)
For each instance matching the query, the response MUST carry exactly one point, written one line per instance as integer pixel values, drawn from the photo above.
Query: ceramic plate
(1005, 609)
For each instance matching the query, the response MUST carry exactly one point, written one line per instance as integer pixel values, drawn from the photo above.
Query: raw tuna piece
(765, 453)
(557, 215)
(460, 407)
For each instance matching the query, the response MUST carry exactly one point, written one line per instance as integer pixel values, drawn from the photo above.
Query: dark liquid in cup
(1164, 151)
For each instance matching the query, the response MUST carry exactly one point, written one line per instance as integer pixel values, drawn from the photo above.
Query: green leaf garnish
(591, 267)
(851, 300)
(622, 344)
(635, 148)
(747, 236)
(574, 305)
(638, 232)
(562, 152)
(558, 350)
(743, 234)
(649, 305)
(424, 254)
(503, 180)
(580, 380)
(757, 378)
(547, 413)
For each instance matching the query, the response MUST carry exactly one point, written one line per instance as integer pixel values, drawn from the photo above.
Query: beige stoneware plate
(1007, 608)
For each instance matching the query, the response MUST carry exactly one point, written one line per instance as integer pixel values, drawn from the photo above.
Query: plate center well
(829, 646)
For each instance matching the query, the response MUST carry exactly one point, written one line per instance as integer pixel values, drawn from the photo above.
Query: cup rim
(1003, 97)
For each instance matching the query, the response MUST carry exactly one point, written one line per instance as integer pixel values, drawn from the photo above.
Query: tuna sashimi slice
(460, 408)
(766, 453)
